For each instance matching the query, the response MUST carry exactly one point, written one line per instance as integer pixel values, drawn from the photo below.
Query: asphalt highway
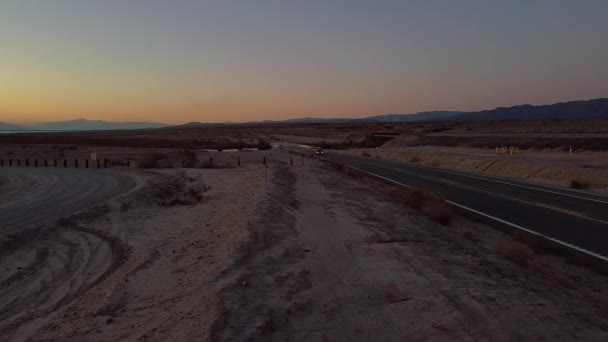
(573, 219)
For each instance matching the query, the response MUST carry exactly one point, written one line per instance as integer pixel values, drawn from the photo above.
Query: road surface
(574, 219)
(36, 195)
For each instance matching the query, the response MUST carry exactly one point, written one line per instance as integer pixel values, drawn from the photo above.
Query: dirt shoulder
(550, 167)
(339, 260)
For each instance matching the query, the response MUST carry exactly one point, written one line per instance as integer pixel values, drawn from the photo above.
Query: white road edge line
(566, 244)
(497, 181)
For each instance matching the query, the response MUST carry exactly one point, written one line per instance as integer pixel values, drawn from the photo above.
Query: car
(319, 152)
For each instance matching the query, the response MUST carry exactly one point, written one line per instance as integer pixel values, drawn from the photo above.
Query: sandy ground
(304, 255)
(129, 270)
(551, 167)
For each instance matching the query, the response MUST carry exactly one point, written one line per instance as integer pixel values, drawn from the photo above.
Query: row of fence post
(56, 162)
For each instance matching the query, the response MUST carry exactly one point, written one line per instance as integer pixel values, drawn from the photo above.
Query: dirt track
(34, 196)
(46, 264)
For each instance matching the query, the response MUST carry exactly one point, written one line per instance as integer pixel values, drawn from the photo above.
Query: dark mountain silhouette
(574, 110)
(5, 126)
(421, 116)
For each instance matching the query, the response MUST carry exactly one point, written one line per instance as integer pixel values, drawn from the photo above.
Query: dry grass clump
(415, 159)
(366, 154)
(428, 203)
(516, 252)
(150, 160)
(579, 184)
(178, 189)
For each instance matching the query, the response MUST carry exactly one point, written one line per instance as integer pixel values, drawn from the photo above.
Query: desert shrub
(178, 189)
(263, 144)
(435, 164)
(516, 252)
(188, 158)
(147, 161)
(366, 154)
(426, 202)
(159, 156)
(579, 184)
(415, 159)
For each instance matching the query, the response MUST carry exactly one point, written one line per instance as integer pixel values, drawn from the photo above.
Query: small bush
(178, 189)
(263, 144)
(428, 203)
(579, 184)
(366, 154)
(415, 159)
(516, 252)
(188, 158)
(148, 161)
(435, 164)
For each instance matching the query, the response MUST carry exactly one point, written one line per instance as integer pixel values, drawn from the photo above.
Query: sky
(175, 61)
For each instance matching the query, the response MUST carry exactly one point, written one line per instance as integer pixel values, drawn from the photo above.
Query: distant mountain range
(574, 110)
(79, 125)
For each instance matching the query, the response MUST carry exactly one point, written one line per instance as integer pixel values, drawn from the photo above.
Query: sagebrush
(178, 189)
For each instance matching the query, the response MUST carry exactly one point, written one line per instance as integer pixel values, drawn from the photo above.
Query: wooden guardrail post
(264, 160)
(210, 162)
(46, 163)
(86, 163)
(105, 163)
(1, 162)
(129, 163)
(18, 162)
(99, 163)
(35, 162)
(238, 161)
(76, 163)
(55, 162)
(65, 163)
(27, 162)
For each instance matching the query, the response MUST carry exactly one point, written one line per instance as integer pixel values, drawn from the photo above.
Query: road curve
(34, 196)
(570, 218)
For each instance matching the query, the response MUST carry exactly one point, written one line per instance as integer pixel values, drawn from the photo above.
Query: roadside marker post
(264, 160)
(35, 162)
(18, 162)
(55, 162)
(1, 162)
(86, 163)
(238, 161)
(105, 163)
(65, 163)
(76, 163)
(99, 163)
(210, 162)
(46, 163)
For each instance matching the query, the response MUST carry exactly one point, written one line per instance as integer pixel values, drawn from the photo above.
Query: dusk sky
(214, 61)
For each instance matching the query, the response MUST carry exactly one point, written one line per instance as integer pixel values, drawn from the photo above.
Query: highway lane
(571, 218)
(37, 195)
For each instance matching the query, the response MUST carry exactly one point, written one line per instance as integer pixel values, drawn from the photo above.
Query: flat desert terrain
(293, 249)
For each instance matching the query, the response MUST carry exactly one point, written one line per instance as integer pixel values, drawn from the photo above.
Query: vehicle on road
(319, 152)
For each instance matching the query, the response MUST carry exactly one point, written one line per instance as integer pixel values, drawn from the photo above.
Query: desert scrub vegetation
(428, 203)
(415, 159)
(178, 189)
(579, 184)
(151, 160)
